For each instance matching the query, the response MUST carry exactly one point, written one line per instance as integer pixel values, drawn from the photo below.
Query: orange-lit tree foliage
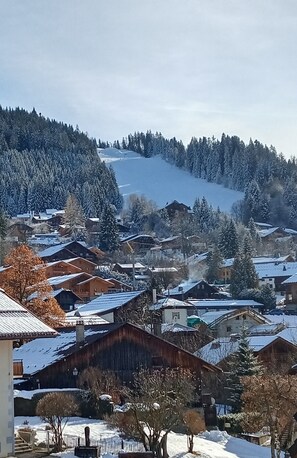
(26, 282)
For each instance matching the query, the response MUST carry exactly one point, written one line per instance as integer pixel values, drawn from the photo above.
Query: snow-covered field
(163, 182)
(213, 444)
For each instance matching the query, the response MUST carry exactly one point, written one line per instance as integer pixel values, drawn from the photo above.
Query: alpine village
(155, 319)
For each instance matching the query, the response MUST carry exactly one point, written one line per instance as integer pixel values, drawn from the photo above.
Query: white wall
(223, 329)
(175, 315)
(6, 400)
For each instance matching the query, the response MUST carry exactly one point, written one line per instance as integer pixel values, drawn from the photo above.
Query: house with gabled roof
(67, 251)
(172, 311)
(272, 350)
(84, 285)
(290, 285)
(223, 323)
(85, 265)
(59, 268)
(113, 307)
(121, 348)
(176, 207)
(206, 305)
(263, 265)
(196, 289)
(16, 323)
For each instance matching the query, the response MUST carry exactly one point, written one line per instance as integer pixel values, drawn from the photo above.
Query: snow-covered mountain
(163, 182)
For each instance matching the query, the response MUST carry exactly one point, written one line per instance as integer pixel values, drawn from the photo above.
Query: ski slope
(163, 182)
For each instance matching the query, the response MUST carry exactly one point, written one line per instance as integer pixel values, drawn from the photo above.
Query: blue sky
(185, 68)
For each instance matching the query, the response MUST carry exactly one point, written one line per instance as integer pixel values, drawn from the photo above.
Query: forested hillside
(268, 179)
(42, 161)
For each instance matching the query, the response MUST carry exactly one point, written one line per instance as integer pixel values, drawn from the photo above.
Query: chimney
(154, 295)
(80, 332)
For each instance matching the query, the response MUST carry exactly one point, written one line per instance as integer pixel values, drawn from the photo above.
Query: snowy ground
(213, 444)
(163, 182)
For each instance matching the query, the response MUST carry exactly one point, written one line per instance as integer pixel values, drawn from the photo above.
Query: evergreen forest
(266, 177)
(42, 161)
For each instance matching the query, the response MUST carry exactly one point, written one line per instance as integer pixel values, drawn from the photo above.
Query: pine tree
(228, 240)
(109, 234)
(243, 275)
(74, 217)
(252, 228)
(243, 363)
(3, 225)
(214, 262)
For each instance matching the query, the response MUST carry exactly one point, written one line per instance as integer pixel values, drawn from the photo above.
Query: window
(244, 317)
(229, 329)
(175, 315)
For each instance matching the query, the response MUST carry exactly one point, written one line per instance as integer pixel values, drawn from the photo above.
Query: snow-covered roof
(169, 302)
(259, 260)
(53, 281)
(276, 270)
(176, 327)
(210, 317)
(159, 270)
(105, 303)
(266, 232)
(266, 328)
(219, 349)
(170, 239)
(290, 321)
(137, 265)
(262, 224)
(224, 303)
(183, 287)
(290, 280)
(18, 323)
(198, 257)
(37, 355)
(55, 249)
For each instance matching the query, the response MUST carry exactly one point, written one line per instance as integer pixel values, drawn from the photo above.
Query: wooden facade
(60, 268)
(67, 251)
(85, 265)
(123, 349)
(92, 287)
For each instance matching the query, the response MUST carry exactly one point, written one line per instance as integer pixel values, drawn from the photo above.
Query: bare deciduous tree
(195, 424)
(269, 400)
(56, 408)
(156, 406)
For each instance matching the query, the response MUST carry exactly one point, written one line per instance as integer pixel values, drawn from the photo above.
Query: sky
(184, 68)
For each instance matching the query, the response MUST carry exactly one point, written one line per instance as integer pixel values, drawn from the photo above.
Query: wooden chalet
(57, 268)
(138, 243)
(68, 250)
(119, 286)
(128, 268)
(91, 287)
(113, 307)
(19, 232)
(84, 285)
(85, 265)
(121, 348)
(272, 350)
(290, 285)
(176, 207)
(66, 299)
(196, 289)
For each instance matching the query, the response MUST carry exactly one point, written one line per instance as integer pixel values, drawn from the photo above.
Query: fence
(106, 445)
